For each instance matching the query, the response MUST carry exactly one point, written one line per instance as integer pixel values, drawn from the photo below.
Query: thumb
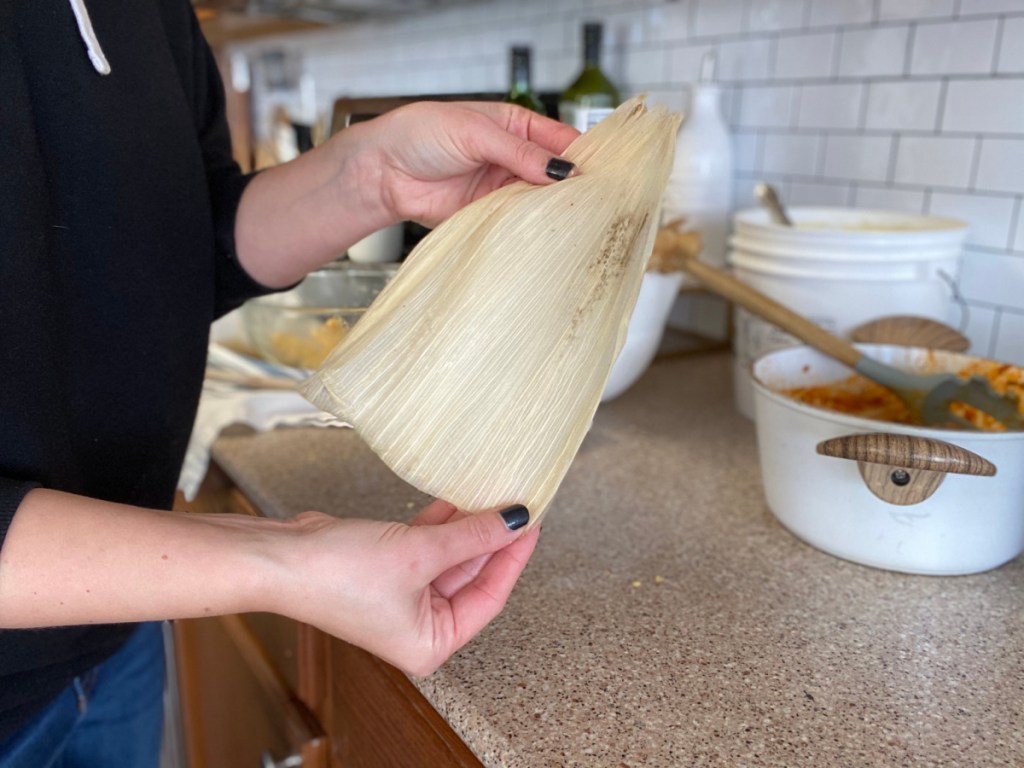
(470, 537)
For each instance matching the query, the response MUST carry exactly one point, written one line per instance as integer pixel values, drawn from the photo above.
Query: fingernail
(515, 517)
(558, 169)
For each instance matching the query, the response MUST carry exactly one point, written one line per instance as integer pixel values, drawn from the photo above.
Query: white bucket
(840, 267)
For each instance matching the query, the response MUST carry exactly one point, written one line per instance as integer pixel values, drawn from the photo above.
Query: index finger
(521, 122)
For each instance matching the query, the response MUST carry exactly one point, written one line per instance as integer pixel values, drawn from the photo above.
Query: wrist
(357, 185)
(295, 217)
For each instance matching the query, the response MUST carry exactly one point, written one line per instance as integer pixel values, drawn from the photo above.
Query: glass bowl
(300, 326)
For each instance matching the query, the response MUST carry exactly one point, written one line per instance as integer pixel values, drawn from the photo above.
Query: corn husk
(476, 373)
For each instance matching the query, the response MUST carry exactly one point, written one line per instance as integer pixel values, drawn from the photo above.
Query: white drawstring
(92, 43)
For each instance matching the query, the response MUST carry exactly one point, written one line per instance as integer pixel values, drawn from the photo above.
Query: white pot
(969, 523)
(840, 267)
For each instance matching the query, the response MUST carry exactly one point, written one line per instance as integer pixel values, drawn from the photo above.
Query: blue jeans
(109, 717)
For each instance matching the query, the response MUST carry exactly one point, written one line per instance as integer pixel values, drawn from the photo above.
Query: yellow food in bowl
(858, 396)
(310, 350)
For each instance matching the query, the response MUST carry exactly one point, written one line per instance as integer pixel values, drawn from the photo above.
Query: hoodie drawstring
(92, 43)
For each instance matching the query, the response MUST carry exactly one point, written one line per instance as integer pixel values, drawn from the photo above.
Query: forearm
(73, 560)
(295, 217)
(410, 594)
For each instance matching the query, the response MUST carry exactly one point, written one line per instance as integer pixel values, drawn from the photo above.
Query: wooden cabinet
(260, 685)
(237, 705)
(376, 717)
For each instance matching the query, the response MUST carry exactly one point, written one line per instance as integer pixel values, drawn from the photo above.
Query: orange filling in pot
(858, 396)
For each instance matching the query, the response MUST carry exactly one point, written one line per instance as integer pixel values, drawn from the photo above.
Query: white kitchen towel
(222, 405)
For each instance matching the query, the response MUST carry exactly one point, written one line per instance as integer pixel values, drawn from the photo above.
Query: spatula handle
(754, 301)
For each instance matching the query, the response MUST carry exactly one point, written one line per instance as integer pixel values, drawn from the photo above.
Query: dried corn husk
(476, 373)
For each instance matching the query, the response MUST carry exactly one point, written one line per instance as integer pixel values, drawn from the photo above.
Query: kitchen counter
(667, 619)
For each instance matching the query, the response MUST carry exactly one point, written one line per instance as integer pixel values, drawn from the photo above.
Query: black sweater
(117, 202)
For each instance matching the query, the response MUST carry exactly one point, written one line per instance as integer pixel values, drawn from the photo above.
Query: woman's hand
(436, 158)
(420, 162)
(411, 594)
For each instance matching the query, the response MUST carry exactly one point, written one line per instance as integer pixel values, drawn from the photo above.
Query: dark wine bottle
(592, 95)
(520, 88)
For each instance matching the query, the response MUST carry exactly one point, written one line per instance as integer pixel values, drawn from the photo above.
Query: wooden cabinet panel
(378, 719)
(263, 683)
(240, 676)
(279, 637)
(235, 706)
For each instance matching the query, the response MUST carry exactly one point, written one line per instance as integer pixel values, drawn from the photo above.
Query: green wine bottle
(592, 95)
(520, 90)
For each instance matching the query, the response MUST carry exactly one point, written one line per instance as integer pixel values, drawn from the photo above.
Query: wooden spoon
(911, 331)
(928, 396)
(771, 200)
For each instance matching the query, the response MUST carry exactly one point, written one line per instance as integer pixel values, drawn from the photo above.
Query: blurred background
(913, 105)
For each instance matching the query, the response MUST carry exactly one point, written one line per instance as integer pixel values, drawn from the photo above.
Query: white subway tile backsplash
(1008, 347)
(791, 154)
(890, 199)
(744, 60)
(766, 106)
(993, 278)
(827, 13)
(717, 17)
(985, 106)
(746, 149)
(545, 38)
(990, 217)
(1011, 51)
(979, 325)
(934, 161)
(988, 7)
(645, 66)
(1001, 165)
(626, 29)
(860, 158)
(873, 52)
(670, 21)
(805, 56)
(775, 15)
(817, 194)
(914, 9)
(685, 61)
(553, 73)
(958, 47)
(904, 105)
(913, 105)
(836, 105)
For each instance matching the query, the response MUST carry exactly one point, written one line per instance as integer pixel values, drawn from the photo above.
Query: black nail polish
(515, 517)
(558, 169)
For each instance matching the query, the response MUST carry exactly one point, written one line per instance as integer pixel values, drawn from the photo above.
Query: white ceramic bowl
(840, 267)
(646, 327)
(970, 522)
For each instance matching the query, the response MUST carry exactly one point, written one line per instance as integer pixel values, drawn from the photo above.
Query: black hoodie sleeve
(225, 179)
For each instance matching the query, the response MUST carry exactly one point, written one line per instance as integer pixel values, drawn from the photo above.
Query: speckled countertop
(667, 619)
